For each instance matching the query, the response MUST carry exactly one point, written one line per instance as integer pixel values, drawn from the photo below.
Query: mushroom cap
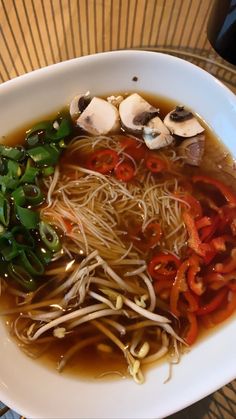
(75, 105)
(99, 117)
(156, 134)
(157, 125)
(135, 112)
(186, 128)
(192, 149)
(160, 140)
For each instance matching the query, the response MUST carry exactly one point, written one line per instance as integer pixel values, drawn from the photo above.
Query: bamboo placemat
(37, 33)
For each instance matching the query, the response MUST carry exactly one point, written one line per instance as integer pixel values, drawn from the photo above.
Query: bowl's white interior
(30, 388)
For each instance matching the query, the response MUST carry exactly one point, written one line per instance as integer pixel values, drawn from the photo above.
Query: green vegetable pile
(27, 243)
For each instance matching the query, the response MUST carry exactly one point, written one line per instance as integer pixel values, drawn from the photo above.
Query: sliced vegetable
(124, 171)
(49, 236)
(226, 191)
(4, 210)
(48, 130)
(103, 161)
(28, 218)
(13, 153)
(214, 303)
(48, 171)
(180, 285)
(22, 237)
(19, 196)
(155, 164)
(194, 241)
(149, 238)
(224, 313)
(31, 262)
(228, 265)
(133, 148)
(46, 155)
(30, 173)
(192, 332)
(164, 266)
(33, 194)
(194, 281)
(194, 205)
(22, 277)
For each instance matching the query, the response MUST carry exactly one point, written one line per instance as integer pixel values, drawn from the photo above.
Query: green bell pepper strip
(31, 262)
(4, 210)
(13, 153)
(49, 236)
(44, 155)
(22, 277)
(28, 218)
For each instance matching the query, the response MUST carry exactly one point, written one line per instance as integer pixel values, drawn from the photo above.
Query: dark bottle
(221, 30)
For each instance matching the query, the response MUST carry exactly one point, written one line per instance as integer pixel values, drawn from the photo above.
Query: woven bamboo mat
(37, 33)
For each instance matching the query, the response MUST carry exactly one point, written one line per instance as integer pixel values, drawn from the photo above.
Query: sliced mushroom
(192, 149)
(99, 117)
(156, 134)
(182, 123)
(79, 104)
(135, 112)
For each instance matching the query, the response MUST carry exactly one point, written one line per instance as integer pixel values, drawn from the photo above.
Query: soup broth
(113, 217)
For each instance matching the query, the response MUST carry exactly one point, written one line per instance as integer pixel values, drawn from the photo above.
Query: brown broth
(92, 362)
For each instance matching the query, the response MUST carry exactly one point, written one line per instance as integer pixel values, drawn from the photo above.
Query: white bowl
(32, 389)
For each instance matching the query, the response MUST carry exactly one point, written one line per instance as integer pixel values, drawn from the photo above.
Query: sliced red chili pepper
(228, 265)
(225, 190)
(124, 171)
(219, 243)
(155, 164)
(164, 266)
(194, 241)
(193, 301)
(228, 218)
(194, 205)
(209, 254)
(103, 161)
(192, 332)
(215, 280)
(207, 232)
(133, 148)
(180, 285)
(68, 225)
(214, 303)
(195, 282)
(203, 222)
(148, 238)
